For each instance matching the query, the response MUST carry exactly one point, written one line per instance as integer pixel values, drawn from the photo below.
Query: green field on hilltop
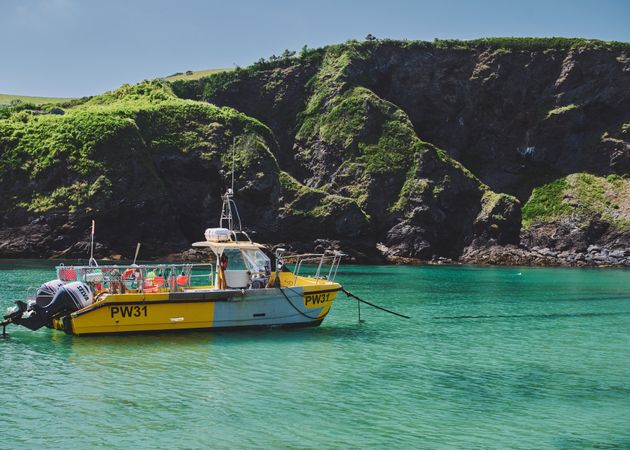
(194, 75)
(8, 98)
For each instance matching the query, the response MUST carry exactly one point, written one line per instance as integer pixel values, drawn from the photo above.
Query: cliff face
(380, 148)
(141, 162)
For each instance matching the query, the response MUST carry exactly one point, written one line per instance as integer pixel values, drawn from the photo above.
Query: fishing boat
(244, 285)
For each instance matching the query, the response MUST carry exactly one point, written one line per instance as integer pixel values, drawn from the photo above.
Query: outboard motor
(46, 292)
(68, 298)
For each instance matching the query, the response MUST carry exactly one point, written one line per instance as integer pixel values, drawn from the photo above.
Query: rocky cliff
(498, 151)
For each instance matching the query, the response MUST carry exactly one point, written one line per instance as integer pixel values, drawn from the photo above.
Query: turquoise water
(492, 358)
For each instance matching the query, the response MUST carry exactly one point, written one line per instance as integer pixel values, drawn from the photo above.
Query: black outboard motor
(46, 292)
(68, 298)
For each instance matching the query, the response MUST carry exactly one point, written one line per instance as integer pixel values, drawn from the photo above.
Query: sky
(72, 48)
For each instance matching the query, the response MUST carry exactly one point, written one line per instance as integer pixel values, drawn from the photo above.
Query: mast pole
(229, 206)
(92, 261)
(233, 161)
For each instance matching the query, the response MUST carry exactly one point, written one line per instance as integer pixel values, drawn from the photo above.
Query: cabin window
(257, 261)
(235, 259)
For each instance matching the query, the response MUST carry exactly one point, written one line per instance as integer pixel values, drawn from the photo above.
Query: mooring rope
(350, 294)
(295, 307)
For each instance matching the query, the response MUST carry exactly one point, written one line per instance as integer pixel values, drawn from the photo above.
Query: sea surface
(528, 358)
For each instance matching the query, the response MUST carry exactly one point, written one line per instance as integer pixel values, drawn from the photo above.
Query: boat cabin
(239, 264)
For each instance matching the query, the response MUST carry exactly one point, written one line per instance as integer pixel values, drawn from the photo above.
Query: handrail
(138, 278)
(146, 278)
(317, 258)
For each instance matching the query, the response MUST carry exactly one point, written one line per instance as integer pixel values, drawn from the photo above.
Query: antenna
(92, 262)
(228, 201)
(227, 214)
(135, 258)
(233, 161)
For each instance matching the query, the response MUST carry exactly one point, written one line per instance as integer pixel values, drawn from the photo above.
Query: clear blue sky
(84, 47)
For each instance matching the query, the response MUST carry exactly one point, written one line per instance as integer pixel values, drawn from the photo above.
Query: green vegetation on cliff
(351, 140)
(531, 44)
(203, 84)
(561, 110)
(337, 142)
(309, 202)
(366, 128)
(546, 203)
(94, 146)
(583, 196)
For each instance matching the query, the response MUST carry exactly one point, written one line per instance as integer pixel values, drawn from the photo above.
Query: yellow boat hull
(210, 309)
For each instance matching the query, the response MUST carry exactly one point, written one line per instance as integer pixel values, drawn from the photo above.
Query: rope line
(350, 294)
(295, 307)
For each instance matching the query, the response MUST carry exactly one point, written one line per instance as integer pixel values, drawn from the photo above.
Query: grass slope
(6, 99)
(584, 195)
(195, 75)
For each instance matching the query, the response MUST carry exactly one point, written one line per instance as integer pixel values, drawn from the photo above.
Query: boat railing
(144, 278)
(327, 264)
(235, 233)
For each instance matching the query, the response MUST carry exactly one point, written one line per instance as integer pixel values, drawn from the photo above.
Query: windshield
(257, 261)
(235, 259)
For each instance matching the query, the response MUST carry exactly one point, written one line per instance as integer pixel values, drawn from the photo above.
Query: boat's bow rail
(326, 265)
(146, 278)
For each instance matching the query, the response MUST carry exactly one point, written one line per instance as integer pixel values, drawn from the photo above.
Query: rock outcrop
(483, 151)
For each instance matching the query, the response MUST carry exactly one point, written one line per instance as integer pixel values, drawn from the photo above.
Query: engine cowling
(68, 298)
(46, 292)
